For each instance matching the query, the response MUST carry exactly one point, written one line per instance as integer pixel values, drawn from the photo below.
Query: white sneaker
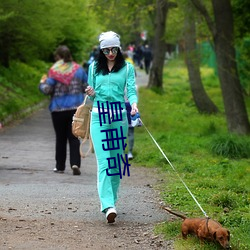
(130, 156)
(58, 171)
(111, 214)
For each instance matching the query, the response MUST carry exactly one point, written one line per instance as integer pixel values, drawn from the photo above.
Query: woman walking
(109, 76)
(65, 84)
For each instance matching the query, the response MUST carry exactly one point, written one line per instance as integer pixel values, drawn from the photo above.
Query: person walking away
(65, 84)
(108, 78)
(139, 56)
(147, 54)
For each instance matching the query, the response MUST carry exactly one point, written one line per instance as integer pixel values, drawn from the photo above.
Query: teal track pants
(107, 186)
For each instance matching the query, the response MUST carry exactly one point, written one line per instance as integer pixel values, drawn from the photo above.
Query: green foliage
(243, 60)
(176, 18)
(19, 87)
(219, 183)
(231, 146)
(241, 17)
(29, 33)
(128, 18)
(175, 25)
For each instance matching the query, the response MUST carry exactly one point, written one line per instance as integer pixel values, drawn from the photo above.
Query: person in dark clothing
(138, 54)
(147, 54)
(65, 83)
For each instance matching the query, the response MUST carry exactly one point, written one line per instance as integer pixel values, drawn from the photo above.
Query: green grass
(19, 88)
(214, 164)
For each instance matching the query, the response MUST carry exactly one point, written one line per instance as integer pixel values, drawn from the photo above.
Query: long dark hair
(102, 67)
(63, 52)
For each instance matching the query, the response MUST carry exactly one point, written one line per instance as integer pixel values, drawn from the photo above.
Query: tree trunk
(235, 109)
(159, 47)
(223, 38)
(201, 99)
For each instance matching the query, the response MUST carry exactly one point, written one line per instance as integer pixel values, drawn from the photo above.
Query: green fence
(208, 58)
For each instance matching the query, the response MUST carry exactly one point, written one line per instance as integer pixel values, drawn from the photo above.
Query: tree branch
(202, 9)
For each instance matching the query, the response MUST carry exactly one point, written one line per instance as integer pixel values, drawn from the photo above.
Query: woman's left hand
(134, 109)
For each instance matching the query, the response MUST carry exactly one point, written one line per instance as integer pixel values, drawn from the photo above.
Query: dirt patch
(50, 234)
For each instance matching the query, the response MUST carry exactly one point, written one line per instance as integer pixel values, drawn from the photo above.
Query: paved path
(30, 190)
(27, 160)
(141, 78)
(26, 163)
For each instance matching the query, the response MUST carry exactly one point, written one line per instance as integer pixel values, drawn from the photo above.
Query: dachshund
(204, 229)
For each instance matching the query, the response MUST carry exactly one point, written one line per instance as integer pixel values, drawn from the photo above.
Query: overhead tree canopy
(128, 17)
(28, 33)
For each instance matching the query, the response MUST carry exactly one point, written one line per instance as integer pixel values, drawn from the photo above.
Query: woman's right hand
(90, 91)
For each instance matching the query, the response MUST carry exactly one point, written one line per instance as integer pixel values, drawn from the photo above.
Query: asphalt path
(31, 190)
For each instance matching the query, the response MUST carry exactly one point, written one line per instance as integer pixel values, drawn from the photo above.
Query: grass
(214, 164)
(19, 88)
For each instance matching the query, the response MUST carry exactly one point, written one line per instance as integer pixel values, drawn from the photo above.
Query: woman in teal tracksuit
(109, 76)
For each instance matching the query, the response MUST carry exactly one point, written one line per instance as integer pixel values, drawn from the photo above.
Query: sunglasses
(106, 51)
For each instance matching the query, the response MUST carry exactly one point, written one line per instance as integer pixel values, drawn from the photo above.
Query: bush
(231, 146)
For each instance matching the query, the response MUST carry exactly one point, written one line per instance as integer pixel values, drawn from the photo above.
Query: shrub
(231, 146)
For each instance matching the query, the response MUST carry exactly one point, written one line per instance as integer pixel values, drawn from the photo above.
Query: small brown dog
(204, 229)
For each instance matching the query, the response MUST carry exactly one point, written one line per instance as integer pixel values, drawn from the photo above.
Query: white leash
(174, 170)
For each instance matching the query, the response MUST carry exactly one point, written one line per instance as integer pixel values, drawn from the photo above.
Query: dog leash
(174, 170)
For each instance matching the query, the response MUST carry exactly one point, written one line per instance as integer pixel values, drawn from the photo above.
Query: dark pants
(130, 129)
(147, 65)
(131, 139)
(62, 122)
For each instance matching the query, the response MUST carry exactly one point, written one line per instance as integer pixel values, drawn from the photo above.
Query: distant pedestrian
(128, 108)
(147, 54)
(138, 55)
(65, 84)
(93, 55)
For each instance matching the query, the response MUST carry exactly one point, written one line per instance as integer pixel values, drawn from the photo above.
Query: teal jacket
(113, 86)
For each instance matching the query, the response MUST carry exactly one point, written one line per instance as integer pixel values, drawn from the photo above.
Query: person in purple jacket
(65, 83)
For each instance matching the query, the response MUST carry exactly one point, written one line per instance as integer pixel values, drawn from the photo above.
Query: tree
(28, 33)
(159, 46)
(201, 99)
(126, 18)
(223, 38)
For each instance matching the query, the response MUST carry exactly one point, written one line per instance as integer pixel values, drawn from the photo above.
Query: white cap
(109, 39)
